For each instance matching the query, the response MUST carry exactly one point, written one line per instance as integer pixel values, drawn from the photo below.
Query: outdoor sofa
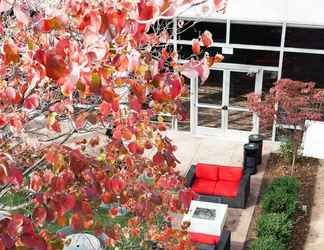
(211, 242)
(220, 184)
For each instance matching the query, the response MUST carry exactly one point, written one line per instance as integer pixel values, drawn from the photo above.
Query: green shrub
(281, 196)
(287, 149)
(267, 243)
(277, 225)
(285, 183)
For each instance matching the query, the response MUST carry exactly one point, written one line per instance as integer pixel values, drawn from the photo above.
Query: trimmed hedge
(279, 203)
(277, 225)
(267, 243)
(281, 196)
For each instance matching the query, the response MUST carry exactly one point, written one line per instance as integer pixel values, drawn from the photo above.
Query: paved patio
(193, 149)
(315, 239)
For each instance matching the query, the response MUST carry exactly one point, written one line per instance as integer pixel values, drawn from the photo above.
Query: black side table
(258, 140)
(250, 158)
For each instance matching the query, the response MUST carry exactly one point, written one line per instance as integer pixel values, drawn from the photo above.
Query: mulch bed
(306, 171)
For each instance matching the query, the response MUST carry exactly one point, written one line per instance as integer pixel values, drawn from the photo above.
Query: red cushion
(203, 186)
(230, 173)
(207, 171)
(204, 238)
(226, 188)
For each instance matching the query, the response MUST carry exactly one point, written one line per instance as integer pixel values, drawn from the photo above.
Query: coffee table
(206, 217)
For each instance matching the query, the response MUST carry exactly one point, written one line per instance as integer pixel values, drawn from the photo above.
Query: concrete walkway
(315, 239)
(192, 149)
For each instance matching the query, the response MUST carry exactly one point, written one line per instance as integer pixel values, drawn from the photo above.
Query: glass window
(211, 91)
(253, 57)
(304, 38)
(184, 120)
(209, 117)
(304, 67)
(255, 34)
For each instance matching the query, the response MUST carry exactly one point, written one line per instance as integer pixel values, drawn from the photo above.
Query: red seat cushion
(207, 171)
(204, 238)
(226, 188)
(230, 173)
(203, 186)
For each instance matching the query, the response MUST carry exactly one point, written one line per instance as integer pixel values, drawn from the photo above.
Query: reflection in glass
(240, 120)
(209, 117)
(210, 92)
(242, 84)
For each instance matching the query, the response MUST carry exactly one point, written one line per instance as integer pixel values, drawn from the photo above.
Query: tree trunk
(295, 152)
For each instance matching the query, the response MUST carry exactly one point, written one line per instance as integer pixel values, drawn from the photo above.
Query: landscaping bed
(305, 171)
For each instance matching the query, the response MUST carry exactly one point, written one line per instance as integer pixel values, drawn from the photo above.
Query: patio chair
(220, 184)
(210, 242)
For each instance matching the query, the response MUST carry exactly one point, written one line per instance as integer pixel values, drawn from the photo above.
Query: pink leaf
(32, 102)
(219, 4)
(105, 108)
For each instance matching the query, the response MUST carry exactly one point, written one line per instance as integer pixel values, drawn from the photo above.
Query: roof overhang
(296, 12)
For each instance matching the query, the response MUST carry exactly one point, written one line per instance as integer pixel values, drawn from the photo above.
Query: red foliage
(85, 67)
(296, 102)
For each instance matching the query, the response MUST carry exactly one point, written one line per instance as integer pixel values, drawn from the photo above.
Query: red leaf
(69, 202)
(33, 241)
(207, 39)
(3, 120)
(55, 65)
(135, 104)
(105, 108)
(92, 21)
(132, 147)
(158, 158)
(54, 23)
(2, 247)
(39, 215)
(11, 53)
(6, 242)
(146, 9)
(32, 102)
(114, 211)
(15, 175)
(186, 196)
(35, 182)
(76, 222)
(196, 46)
(56, 127)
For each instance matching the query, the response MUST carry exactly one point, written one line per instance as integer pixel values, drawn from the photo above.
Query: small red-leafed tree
(289, 104)
(68, 74)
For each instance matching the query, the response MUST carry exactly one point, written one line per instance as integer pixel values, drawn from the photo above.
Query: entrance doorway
(220, 104)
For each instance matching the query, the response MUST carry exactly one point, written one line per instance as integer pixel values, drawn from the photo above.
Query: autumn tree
(289, 104)
(68, 74)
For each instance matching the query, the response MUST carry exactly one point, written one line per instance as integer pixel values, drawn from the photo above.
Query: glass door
(210, 100)
(220, 104)
(241, 84)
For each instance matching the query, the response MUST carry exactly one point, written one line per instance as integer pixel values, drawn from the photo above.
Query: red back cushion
(207, 171)
(230, 173)
(203, 238)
